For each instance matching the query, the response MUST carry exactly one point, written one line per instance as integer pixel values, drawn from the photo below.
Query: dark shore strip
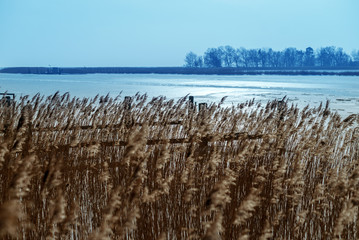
(343, 71)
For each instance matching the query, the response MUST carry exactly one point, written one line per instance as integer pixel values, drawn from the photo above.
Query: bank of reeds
(142, 168)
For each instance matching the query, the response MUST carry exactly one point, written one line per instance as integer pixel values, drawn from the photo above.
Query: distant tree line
(227, 56)
(181, 70)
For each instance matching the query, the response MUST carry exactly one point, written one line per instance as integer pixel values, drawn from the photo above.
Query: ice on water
(342, 91)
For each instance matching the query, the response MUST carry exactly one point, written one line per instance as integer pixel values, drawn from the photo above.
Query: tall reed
(140, 168)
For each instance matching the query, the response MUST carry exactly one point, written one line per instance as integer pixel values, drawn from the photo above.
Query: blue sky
(80, 33)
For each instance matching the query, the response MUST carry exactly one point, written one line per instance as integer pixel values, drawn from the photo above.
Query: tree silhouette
(213, 57)
(228, 56)
(193, 61)
(309, 57)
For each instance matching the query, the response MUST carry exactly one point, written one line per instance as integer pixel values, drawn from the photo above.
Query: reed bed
(139, 168)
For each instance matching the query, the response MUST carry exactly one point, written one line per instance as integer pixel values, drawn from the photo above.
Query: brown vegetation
(158, 169)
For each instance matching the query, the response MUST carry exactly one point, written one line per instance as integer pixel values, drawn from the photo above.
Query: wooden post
(8, 100)
(202, 106)
(127, 102)
(191, 99)
(8, 97)
(191, 102)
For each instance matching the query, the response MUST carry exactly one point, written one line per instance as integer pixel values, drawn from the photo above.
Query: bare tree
(341, 58)
(288, 58)
(238, 58)
(193, 61)
(229, 54)
(326, 56)
(355, 55)
(309, 57)
(213, 57)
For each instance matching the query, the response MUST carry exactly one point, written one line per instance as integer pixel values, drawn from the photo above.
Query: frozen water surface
(342, 91)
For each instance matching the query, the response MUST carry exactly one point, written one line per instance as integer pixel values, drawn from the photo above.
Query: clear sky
(81, 33)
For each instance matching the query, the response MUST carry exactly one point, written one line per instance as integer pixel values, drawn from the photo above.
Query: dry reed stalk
(117, 206)
(253, 200)
(58, 215)
(70, 223)
(267, 231)
(3, 151)
(275, 171)
(10, 214)
(215, 228)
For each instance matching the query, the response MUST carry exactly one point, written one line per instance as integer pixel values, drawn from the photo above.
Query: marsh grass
(139, 168)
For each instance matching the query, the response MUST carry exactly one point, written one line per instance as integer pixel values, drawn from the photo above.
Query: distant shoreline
(342, 71)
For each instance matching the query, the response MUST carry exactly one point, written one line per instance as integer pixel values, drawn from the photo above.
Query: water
(342, 91)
